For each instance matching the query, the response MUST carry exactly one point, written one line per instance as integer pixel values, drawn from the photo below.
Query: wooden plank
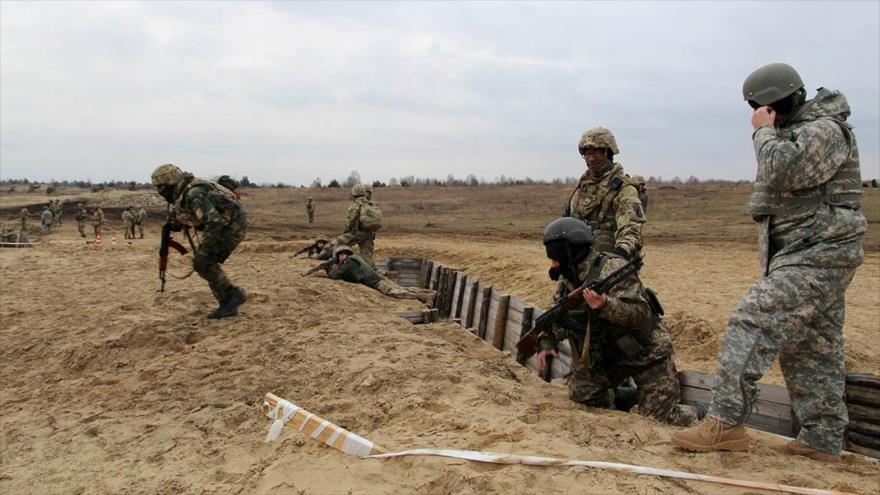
(413, 264)
(863, 379)
(858, 449)
(514, 314)
(472, 303)
(414, 317)
(455, 283)
(434, 280)
(459, 297)
(860, 394)
(864, 428)
(866, 414)
(484, 311)
(769, 393)
(450, 293)
(863, 440)
(517, 304)
(490, 320)
(500, 322)
(511, 333)
(441, 292)
(426, 280)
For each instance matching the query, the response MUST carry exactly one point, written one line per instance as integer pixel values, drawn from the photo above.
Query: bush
(33, 187)
(333, 183)
(50, 190)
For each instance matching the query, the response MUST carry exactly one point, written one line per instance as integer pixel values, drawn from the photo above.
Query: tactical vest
(843, 189)
(226, 203)
(598, 217)
(611, 343)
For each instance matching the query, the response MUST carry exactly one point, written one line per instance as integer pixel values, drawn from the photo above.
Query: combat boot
(796, 447)
(229, 305)
(712, 434)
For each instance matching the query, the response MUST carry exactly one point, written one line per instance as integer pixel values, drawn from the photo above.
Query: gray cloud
(292, 91)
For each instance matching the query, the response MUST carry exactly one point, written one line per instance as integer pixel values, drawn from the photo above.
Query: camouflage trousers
(127, 230)
(140, 228)
(391, 289)
(311, 216)
(796, 313)
(218, 242)
(81, 226)
(97, 227)
(658, 388)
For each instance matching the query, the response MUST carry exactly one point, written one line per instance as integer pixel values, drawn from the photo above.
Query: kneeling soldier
(613, 336)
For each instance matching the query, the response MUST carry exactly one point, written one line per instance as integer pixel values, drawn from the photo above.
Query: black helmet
(568, 240)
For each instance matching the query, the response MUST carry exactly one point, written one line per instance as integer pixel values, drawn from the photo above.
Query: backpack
(638, 182)
(370, 217)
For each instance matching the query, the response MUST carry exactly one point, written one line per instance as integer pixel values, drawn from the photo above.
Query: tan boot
(712, 434)
(796, 447)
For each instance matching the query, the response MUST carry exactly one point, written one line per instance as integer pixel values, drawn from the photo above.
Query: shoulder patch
(615, 184)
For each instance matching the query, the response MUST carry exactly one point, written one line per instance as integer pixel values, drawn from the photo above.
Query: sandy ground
(111, 387)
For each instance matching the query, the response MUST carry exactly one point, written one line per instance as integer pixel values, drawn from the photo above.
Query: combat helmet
(167, 175)
(342, 249)
(771, 83)
(598, 137)
(322, 238)
(358, 190)
(567, 240)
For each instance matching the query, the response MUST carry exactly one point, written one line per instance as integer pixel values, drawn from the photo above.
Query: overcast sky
(294, 91)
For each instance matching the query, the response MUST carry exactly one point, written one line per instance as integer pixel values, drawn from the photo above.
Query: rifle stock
(166, 243)
(528, 344)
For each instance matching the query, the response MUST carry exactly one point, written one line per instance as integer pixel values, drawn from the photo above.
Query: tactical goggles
(592, 151)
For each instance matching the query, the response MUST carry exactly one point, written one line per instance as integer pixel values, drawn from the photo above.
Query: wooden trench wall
(500, 319)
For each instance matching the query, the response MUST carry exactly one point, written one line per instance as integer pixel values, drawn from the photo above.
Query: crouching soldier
(613, 336)
(215, 211)
(352, 268)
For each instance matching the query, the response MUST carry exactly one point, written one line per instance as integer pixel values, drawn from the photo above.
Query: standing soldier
(139, 219)
(98, 220)
(23, 217)
(57, 210)
(364, 219)
(806, 198)
(128, 223)
(81, 216)
(310, 209)
(605, 198)
(613, 336)
(46, 220)
(215, 211)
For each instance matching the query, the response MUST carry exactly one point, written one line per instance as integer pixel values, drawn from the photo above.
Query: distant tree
(317, 183)
(280, 185)
(393, 182)
(693, 180)
(333, 183)
(676, 180)
(378, 183)
(245, 182)
(472, 180)
(33, 187)
(11, 189)
(50, 190)
(132, 185)
(353, 178)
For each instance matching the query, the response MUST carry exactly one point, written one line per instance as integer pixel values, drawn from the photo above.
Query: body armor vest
(597, 212)
(226, 203)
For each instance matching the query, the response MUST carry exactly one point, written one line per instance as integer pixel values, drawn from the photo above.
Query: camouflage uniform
(611, 207)
(806, 197)
(324, 253)
(310, 210)
(98, 220)
(57, 208)
(212, 208)
(627, 339)
(23, 218)
(128, 223)
(140, 216)
(46, 220)
(356, 270)
(81, 216)
(354, 235)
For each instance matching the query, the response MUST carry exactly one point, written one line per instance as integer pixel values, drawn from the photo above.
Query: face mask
(167, 192)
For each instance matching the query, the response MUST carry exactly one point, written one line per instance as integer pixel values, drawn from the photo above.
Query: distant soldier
(23, 218)
(57, 208)
(310, 209)
(7, 235)
(364, 219)
(81, 216)
(806, 198)
(128, 223)
(613, 336)
(605, 198)
(139, 219)
(352, 268)
(98, 220)
(46, 220)
(216, 211)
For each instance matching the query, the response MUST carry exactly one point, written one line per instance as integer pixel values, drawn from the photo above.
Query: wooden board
(450, 293)
(858, 412)
(429, 269)
(861, 394)
(772, 410)
(500, 327)
(864, 428)
(471, 297)
(485, 302)
(461, 285)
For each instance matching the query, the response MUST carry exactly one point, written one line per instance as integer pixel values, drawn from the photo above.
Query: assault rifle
(321, 266)
(167, 242)
(306, 249)
(528, 344)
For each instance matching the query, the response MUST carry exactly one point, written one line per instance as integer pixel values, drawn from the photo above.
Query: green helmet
(342, 249)
(598, 137)
(771, 83)
(322, 238)
(167, 175)
(358, 190)
(570, 229)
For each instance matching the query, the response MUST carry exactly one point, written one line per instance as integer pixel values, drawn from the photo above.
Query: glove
(554, 273)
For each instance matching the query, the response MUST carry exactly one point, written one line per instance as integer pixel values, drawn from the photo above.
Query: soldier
(57, 210)
(362, 222)
(215, 210)
(310, 209)
(352, 268)
(128, 223)
(139, 219)
(81, 216)
(606, 198)
(98, 220)
(46, 220)
(323, 248)
(23, 218)
(613, 336)
(806, 199)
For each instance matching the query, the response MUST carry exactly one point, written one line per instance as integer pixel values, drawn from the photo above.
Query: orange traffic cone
(98, 240)
(113, 240)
